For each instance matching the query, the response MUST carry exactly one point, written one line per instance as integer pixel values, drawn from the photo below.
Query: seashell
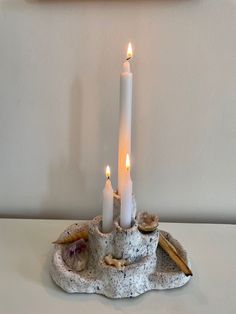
(147, 222)
(73, 233)
(118, 263)
(75, 255)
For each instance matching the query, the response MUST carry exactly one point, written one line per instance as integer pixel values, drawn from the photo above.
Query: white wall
(59, 104)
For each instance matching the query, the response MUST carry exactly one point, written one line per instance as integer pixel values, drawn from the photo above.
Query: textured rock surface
(149, 266)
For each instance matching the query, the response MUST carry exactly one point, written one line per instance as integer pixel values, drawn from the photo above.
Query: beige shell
(117, 263)
(147, 222)
(73, 233)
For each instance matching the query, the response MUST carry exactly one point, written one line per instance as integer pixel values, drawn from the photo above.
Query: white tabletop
(26, 287)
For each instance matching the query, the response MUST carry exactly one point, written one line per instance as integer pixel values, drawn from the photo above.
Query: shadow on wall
(66, 178)
(125, 1)
(10, 4)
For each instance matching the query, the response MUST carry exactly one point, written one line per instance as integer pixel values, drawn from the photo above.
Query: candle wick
(128, 58)
(108, 177)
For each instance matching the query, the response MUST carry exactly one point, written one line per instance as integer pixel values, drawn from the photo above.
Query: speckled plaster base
(150, 268)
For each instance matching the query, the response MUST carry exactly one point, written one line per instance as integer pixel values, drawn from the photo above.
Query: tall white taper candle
(126, 198)
(107, 211)
(125, 118)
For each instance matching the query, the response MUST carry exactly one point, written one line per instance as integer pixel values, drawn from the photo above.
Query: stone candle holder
(147, 267)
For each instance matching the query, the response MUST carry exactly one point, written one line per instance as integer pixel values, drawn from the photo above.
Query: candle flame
(127, 162)
(108, 172)
(129, 52)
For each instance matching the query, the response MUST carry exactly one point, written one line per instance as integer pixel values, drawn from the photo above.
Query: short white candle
(126, 78)
(126, 198)
(107, 211)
